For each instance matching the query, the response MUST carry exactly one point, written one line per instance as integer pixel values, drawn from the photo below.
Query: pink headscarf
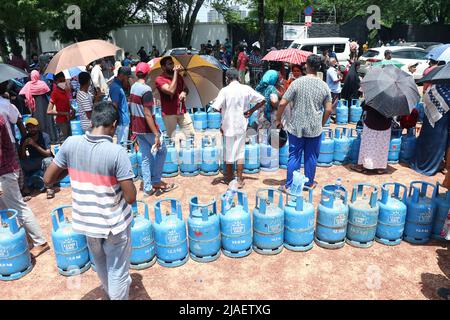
(35, 87)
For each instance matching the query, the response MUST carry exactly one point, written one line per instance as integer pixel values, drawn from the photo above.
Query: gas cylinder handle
(423, 188)
(193, 204)
(136, 206)
(175, 209)
(242, 200)
(57, 215)
(358, 190)
(11, 221)
(385, 191)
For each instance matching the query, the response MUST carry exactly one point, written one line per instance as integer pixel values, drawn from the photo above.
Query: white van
(339, 45)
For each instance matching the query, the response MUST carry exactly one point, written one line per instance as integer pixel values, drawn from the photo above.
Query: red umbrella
(294, 56)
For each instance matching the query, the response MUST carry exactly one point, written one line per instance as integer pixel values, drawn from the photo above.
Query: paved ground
(402, 272)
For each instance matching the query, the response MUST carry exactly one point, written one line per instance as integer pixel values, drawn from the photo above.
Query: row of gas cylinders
(201, 119)
(415, 216)
(342, 146)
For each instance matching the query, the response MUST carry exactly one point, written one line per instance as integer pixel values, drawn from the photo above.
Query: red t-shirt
(61, 101)
(243, 61)
(170, 105)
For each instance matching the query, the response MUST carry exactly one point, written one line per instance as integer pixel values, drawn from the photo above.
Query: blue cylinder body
(214, 120)
(143, 248)
(420, 107)
(139, 163)
(341, 145)
(355, 111)
(252, 161)
(65, 182)
(170, 235)
(269, 157)
(408, 146)
(236, 227)
(134, 162)
(326, 154)
(200, 120)
(71, 250)
(362, 216)
(284, 156)
(332, 217)
(15, 258)
(268, 222)
(421, 210)
(394, 146)
(159, 119)
(75, 127)
(442, 202)
(299, 222)
(392, 217)
(355, 146)
(342, 112)
(190, 158)
(170, 168)
(203, 231)
(210, 157)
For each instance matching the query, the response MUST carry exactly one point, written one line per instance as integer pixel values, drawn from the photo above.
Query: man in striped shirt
(85, 100)
(102, 191)
(144, 126)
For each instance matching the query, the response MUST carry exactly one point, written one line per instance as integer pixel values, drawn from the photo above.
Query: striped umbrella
(291, 55)
(203, 79)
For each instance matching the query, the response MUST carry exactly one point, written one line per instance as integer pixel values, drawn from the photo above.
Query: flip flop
(27, 198)
(359, 170)
(169, 187)
(50, 194)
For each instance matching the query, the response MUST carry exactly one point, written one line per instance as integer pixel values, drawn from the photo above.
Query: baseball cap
(32, 121)
(142, 67)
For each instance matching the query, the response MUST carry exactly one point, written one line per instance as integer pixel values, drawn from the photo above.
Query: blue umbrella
(441, 53)
(74, 72)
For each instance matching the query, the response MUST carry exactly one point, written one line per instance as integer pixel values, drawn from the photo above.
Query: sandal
(382, 171)
(358, 169)
(50, 194)
(27, 198)
(169, 187)
(313, 186)
(282, 188)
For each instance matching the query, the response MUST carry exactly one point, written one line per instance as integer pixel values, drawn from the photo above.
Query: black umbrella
(390, 90)
(430, 75)
(442, 74)
(8, 72)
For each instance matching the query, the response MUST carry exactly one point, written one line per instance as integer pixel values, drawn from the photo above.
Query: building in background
(214, 17)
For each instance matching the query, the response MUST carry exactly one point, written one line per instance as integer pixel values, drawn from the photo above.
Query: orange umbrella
(81, 54)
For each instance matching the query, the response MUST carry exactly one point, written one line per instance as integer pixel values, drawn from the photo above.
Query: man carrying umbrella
(173, 93)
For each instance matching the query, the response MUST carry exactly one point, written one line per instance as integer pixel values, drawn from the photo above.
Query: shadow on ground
(432, 282)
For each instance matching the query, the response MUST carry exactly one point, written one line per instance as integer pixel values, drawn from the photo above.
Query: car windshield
(371, 54)
(295, 45)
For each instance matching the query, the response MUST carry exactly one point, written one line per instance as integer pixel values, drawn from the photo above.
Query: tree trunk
(279, 32)
(31, 42)
(187, 36)
(3, 46)
(262, 29)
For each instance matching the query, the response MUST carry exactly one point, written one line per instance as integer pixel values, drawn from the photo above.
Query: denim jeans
(152, 165)
(112, 262)
(122, 133)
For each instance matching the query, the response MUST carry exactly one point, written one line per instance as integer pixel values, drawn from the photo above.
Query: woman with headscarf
(267, 87)
(36, 99)
(433, 140)
(352, 83)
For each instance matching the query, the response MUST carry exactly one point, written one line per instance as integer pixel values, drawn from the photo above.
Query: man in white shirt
(334, 82)
(233, 101)
(99, 80)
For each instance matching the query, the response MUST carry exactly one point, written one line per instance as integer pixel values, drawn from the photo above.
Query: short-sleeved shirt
(8, 160)
(332, 76)
(61, 100)
(126, 62)
(308, 96)
(43, 141)
(117, 95)
(242, 61)
(85, 103)
(11, 115)
(170, 105)
(141, 98)
(96, 166)
(233, 101)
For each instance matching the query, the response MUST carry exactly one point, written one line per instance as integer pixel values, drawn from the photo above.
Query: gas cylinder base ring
(388, 242)
(208, 174)
(75, 271)
(393, 162)
(205, 258)
(437, 237)
(190, 174)
(325, 164)
(16, 275)
(251, 171)
(144, 265)
(173, 264)
(268, 251)
(283, 166)
(170, 175)
(237, 254)
(327, 245)
(416, 240)
(357, 244)
(339, 163)
(269, 169)
(299, 248)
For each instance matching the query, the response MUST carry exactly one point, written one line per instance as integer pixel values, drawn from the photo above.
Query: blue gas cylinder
(214, 119)
(299, 222)
(159, 119)
(170, 234)
(421, 211)
(75, 126)
(143, 251)
(203, 231)
(392, 217)
(15, 258)
(326, 154)
(170, 168)
(65, 182)
(134, 162)
(355, 111)
(210, 156)
(268, 222)
(342, 112)
(421, 109)
(394, 146)
(355, 145)
(362, 216)
(200, 120)
(71, 250)
(269, 155)
(442, 202)
(236, 226)
(284, 156)
(252, 161)
(190, 158)
(139, 164)
(328, 122)
(408, 146)
(332, 217)
(341, 145)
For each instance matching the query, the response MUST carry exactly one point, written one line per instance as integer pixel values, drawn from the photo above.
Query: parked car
(315, 45)
(404, 55)
(180, 51)
(423, 45)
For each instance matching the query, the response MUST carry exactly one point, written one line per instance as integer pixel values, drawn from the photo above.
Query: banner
(294, 32)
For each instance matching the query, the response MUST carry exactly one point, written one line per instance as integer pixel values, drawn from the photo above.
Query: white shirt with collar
(11, 114)
(98, 79)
